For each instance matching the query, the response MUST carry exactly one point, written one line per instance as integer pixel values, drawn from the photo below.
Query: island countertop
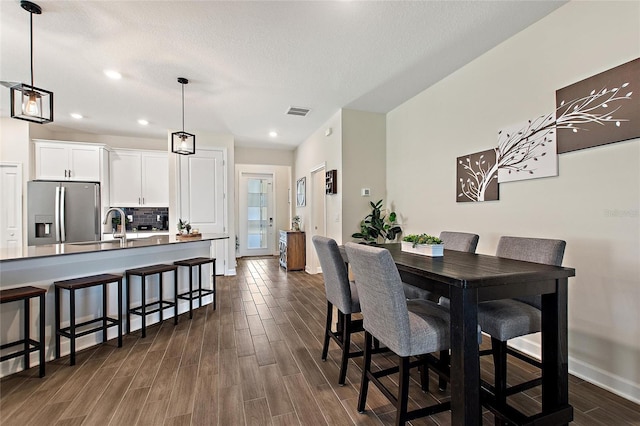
(48, 250)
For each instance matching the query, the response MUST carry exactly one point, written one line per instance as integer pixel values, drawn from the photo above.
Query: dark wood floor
(255, 361)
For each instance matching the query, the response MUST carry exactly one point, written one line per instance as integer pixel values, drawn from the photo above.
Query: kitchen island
(40, 266)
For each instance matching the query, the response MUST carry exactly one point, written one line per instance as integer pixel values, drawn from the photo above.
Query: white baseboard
(230, 272)
(592, 374)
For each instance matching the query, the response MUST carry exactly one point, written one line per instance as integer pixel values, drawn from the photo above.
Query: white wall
(278, 157)
(593, 204)
(363, 157)
(320, 149)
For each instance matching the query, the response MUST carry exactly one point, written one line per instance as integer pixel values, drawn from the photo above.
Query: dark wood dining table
(468, 279)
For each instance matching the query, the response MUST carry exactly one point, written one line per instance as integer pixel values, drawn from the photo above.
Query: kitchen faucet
(123, 220)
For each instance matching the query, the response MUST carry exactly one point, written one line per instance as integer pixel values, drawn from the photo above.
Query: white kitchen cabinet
(68, 161)
(139, 178)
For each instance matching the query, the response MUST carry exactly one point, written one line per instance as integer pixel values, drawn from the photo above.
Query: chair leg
(424, 377)
(445, 359)
(325, 346)
(403, 391)
(346, 345)
(366, 368)
(499, 352)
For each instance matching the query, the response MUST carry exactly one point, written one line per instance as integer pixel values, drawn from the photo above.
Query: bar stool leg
(200, 285)
(120, 313)
(127, 302)
(175, 296)
(27, 333)
(72, 325)
(213, 270)
(160, 299)
(143, 282)
(190, 293)
(41, 343)
(57, 320)
(104, 313)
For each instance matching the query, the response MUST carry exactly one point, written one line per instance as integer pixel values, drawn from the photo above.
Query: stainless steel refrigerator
(63, 212)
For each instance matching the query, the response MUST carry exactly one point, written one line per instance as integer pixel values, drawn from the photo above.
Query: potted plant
(184, 228)
(424, 244)
(377, 225)
(295, 224)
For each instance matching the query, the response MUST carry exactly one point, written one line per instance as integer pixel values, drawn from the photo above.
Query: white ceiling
(247, 62)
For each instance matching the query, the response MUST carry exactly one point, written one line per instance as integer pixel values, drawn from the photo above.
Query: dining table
(468, 279)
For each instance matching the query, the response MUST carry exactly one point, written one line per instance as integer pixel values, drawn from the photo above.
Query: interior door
(201, 196)
(11, 205)
(256, 230)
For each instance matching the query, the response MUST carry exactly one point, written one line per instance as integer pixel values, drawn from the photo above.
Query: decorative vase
(432, 250)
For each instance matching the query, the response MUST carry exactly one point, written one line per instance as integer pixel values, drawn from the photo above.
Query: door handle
(57, 214)
(63, 233)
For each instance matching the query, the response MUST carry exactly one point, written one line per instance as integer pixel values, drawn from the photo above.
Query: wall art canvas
(527, 150)
(599, 110)
(477, 177)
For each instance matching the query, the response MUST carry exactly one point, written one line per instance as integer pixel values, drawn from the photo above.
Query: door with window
(256, 215)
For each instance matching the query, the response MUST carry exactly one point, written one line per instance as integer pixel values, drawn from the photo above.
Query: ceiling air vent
(302, 112)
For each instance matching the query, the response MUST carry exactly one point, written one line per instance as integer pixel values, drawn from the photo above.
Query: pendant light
(28, 102)
(182, 142)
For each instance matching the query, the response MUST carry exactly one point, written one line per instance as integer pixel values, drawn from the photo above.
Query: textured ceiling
(247, 62)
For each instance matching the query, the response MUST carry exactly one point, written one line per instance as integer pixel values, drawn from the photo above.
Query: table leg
(465, 362)
(555, 366)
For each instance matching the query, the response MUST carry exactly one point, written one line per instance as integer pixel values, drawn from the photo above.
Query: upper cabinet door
(139, 179)
(52, 161)
(84, 163)
(67, 161)
(125, 179)
(155, 179)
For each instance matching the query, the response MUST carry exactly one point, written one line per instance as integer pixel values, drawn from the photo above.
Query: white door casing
(11, 205)
(268, 246)
(318, 215)
(201, 196)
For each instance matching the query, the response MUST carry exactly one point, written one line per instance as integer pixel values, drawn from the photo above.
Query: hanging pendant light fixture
(182, 142)
(28, 102)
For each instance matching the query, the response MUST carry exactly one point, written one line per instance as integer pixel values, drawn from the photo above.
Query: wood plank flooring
(253, 361)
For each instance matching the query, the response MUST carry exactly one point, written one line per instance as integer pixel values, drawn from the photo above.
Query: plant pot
(433, 250)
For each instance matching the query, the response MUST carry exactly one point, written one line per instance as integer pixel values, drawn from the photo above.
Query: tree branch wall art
(596, 111)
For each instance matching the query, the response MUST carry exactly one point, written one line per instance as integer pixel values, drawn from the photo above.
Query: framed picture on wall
(301, 192)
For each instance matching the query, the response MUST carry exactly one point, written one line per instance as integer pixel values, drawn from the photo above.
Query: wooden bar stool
(199, 292)
(71, 332)
(29, 345)
(150, 308)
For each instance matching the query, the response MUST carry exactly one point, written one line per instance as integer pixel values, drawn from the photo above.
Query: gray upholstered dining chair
(506, 319)
(458, 241)
(409, 328)
(342, 294)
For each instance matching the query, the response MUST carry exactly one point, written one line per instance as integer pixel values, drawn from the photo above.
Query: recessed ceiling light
(143, 122)
(115, 75)
(273, 134)
(76, 115)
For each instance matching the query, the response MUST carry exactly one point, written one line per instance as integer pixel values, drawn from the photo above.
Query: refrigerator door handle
(97, 211)
(63, 234)
(57, 214)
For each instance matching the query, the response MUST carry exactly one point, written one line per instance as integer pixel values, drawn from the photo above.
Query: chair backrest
(334, 273)
(537, 250)
(460, 241)
(382, 300)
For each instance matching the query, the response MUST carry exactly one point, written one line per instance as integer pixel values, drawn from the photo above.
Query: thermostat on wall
(365, 192)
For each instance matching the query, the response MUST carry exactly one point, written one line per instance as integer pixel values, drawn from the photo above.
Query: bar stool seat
(199, 292)
(25, 294)
(71, 332)
(160, 305)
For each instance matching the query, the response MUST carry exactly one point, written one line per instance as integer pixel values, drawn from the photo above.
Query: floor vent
(302, 112)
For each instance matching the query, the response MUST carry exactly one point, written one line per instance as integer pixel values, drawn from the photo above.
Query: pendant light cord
(182, 84)
(31, 43)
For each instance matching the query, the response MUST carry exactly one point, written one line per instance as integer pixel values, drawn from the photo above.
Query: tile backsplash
(155, 217)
